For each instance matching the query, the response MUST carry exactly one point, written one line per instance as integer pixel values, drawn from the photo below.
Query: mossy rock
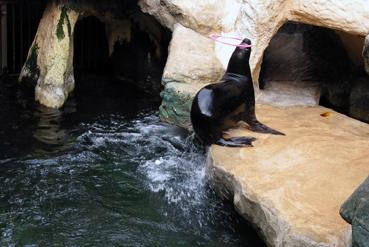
(176, 107)
(63, 18)
(31, 65)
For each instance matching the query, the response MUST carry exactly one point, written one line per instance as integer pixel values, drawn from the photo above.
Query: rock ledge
(291, 187)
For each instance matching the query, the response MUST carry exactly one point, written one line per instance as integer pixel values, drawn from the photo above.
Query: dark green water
(104, 171)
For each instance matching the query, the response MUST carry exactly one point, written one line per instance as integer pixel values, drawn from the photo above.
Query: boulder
(356, 212)
(191, 65)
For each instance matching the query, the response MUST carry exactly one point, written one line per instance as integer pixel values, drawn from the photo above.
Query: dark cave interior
(306, 53)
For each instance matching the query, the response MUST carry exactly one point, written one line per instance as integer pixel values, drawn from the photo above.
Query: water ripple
(123, 182)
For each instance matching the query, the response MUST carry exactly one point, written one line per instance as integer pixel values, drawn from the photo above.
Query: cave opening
(311, 65)
(91, 47)
(129, 49)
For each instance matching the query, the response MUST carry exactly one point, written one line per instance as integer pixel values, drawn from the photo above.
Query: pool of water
(104, 171)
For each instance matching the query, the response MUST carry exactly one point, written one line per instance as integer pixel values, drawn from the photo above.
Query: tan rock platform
(291, 187)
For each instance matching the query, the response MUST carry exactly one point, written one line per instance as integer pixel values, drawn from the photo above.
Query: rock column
(191, 64)
(50, 58)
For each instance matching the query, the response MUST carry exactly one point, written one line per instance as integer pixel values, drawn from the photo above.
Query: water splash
(170, 165)
(122, 178)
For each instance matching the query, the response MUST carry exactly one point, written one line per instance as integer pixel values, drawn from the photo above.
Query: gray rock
(359, 99)
(356, 212)
(366, 54)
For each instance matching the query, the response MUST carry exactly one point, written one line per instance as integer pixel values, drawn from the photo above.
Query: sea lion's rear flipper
(236, 141)
(256, 126)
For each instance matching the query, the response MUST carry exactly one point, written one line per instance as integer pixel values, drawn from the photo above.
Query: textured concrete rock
(50, 60)
(191, 65)
(337, 15)
(202, 16)
(356, 211)
(291, 187)
(159, 11)
(258, 20)
(191, 58)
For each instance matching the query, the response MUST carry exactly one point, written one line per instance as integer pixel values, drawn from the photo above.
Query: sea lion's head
(239, 62)
(246, 43)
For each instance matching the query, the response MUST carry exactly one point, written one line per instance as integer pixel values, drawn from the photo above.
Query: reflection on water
(104, 171)
(48, 128)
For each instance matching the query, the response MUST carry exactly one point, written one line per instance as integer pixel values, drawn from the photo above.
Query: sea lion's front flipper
(256, 126)
(236, 141)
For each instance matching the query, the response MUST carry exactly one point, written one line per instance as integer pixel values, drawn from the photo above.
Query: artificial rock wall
(258, 20)
(193, 59)
(50, 59)
(49, 64)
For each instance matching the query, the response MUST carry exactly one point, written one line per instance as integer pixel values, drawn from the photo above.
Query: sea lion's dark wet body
(217, 107)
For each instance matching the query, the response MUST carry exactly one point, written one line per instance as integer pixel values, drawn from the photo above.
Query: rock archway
(193, 60)
(132, 38)
(258, 20)
(310, 65)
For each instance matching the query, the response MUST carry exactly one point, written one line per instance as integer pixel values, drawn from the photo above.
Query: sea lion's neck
(237, 76)
(240, 68)
(243, 82)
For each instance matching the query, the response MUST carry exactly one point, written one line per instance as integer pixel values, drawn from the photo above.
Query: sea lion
(228, 101)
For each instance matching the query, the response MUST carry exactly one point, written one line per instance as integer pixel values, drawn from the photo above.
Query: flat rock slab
(291, 187)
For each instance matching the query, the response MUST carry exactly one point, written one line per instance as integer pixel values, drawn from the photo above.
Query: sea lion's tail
(256, 126)
(236, 141)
